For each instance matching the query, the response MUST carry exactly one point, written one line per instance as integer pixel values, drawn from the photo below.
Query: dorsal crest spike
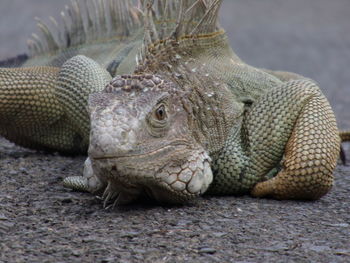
(86, 22)
(91, 21)
(167, 21)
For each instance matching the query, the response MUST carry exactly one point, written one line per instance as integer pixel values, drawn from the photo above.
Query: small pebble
(207, 250)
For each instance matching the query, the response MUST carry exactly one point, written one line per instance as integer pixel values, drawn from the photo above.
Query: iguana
(164, 107)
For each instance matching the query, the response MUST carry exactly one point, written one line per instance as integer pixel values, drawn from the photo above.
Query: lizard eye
(160, 113)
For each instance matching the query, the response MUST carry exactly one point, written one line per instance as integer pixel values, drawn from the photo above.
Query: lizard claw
(86, 183)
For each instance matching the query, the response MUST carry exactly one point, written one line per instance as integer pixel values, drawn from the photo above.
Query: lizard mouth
(161, 151)
(166, 181)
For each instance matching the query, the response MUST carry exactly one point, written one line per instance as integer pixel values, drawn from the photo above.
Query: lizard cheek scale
(189, 180)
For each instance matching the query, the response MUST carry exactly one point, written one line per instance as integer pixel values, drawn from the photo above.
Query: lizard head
(142, 144)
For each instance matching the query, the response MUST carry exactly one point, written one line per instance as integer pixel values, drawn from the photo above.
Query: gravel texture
(40, 221)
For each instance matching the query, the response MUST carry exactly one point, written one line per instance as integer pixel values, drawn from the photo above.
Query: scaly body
(187, 116)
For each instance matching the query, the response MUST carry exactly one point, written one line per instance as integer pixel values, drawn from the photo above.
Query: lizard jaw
(173, 183)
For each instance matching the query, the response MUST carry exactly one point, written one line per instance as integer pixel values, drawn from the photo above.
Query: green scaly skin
(277, 135)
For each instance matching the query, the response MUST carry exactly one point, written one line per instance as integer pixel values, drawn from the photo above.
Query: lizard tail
(14, 61)
(344, 136)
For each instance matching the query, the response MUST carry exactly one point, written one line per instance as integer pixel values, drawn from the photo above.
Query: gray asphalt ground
(40, 221)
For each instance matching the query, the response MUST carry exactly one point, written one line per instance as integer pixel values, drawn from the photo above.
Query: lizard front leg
(289, 145)
(45, 107)
(28, 105)
(298, 120)
(312, 149)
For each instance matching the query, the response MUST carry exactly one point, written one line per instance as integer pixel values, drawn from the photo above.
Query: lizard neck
(209, 52)
(211, 106)
(214, 111)
(195, 65)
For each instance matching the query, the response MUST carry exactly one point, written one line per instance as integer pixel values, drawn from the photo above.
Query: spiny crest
(167, 22)
(87, 23)
(100, 20)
